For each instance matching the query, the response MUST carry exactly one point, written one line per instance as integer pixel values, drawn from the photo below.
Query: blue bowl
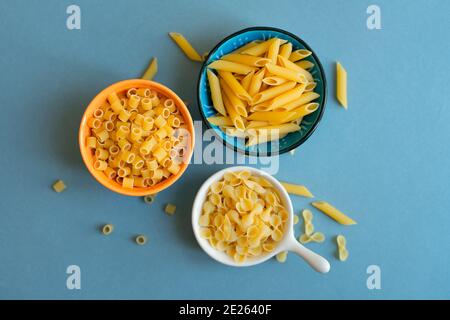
(309, 123)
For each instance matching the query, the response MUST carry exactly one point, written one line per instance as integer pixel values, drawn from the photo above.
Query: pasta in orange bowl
(136, 137)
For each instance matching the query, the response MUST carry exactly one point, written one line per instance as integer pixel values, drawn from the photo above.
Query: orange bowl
(84, 132)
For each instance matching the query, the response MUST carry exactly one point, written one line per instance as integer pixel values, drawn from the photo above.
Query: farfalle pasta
(243, 216)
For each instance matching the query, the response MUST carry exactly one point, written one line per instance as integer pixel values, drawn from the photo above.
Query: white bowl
(287, 243)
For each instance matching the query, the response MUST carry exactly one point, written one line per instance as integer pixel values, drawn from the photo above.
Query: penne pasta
(274, 80)
(341, 85)
(305, 64)
(152, 69)
(237, 103)
(288, 96)
(234, 116)
(292, 66)
(234, 85)
(185, 46)
(216, 93)
(304, 99)
(272, 116)
(272, 52)
(220, 121)
(333, 213)
(256, 82)
(231, 67)
(261, 48)
(297, 189)
(299, 54)
(246, 60)
(286, 50)
(286, 73)
(245, 82)
(272, 92)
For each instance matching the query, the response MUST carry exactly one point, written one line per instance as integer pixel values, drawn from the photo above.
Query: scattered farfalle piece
(282, 256)
(318, 237)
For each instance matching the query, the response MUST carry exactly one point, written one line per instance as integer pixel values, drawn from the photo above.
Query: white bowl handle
(317, 262)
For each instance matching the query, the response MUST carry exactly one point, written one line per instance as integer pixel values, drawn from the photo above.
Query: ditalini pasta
(262, 81)
(107, 229)
(341, 85)
(185, 46)
(141, 239)
(243, 216)
(297, 190)
(59, 186)
(137, 142)
(170, 208)
(333, 213)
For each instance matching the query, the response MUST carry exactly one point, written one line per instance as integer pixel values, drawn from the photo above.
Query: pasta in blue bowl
(258, 81)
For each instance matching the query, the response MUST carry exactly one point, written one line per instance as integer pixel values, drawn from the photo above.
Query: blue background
(385, 161)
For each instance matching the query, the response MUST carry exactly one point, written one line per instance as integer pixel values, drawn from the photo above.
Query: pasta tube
(231, 67)
(151, 71)
(216, 93)
(247, 60)
(185, 46)
(333, 213)
(341, 85)
(234, 85)
(297, 189)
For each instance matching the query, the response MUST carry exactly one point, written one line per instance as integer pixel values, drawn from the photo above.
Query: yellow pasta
(297, 190)
(141, 240)
(282, 257)
(229, 66)
(59, 186)
(342, 249)
(333, 213)
(286, 73)
(234, 85)
(216, 93)
(242, 216)
(136, 147)
(273, 92)
(256, 80)
(305, 64)
(107, 229)
(299, 54)
(185, 46)
(246, 59)
(341, 85)
(292, 66)
(170, 209)
(151, 71)
(286, 50)
(220, 121)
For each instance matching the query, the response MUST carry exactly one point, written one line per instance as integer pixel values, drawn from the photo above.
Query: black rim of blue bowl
(315, 124)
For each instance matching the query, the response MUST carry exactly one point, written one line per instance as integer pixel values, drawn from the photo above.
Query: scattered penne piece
(333, 213)
(152, 69)
(297, 189)
(185, 46)
(341, 85)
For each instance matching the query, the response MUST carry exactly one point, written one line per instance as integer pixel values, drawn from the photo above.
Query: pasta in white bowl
(242, 216)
